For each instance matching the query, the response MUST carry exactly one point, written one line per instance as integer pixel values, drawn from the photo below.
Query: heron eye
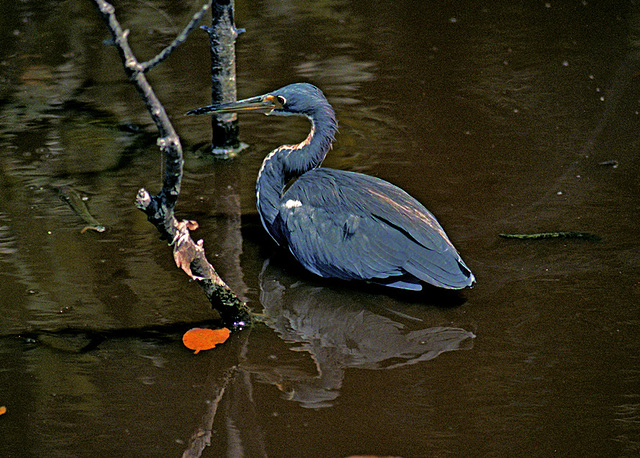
(281, 100)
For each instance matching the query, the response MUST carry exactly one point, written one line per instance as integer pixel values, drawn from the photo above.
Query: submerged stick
(78, 205)
(553, 235)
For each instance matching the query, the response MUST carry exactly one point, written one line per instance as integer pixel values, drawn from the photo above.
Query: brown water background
(496, 115)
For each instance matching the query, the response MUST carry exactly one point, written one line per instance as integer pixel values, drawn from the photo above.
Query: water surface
(496, 115)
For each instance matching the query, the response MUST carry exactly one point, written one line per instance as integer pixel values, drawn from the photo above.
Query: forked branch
(190, 256)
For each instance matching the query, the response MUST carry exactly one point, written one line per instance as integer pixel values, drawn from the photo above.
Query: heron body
(341, 224)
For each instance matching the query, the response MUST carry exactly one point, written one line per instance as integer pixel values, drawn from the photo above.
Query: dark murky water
(496, 115)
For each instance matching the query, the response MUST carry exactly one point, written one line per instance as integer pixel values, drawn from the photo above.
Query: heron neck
(290, 161)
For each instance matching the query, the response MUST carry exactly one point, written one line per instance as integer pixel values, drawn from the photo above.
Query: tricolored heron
(343, 224)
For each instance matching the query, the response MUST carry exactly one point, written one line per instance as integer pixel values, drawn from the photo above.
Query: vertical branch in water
(222, 38)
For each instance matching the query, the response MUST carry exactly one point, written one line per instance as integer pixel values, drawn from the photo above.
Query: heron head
(298, 98)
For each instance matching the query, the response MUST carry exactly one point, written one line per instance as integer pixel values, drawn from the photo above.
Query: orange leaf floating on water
(204, 339)
(3, 410)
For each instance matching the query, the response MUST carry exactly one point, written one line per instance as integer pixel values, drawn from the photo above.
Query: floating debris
(78, 205)
(612, 163)
(553, 235)
(204, 339)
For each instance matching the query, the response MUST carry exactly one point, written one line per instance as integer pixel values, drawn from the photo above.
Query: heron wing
(353, 226)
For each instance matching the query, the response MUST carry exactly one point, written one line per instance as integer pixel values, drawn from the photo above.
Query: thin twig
(181, 38)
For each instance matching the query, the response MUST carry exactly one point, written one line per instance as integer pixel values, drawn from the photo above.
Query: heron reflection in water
(341, 224)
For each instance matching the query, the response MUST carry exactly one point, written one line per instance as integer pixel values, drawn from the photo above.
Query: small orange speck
(204, 339)
(3, 410)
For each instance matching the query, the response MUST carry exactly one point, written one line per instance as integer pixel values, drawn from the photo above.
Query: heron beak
(260, 104)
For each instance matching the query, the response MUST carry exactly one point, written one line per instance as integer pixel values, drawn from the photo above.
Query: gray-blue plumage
(341, 224)
(338, 224)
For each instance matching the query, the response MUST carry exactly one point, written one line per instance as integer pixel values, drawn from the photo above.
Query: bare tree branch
(160, 208)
